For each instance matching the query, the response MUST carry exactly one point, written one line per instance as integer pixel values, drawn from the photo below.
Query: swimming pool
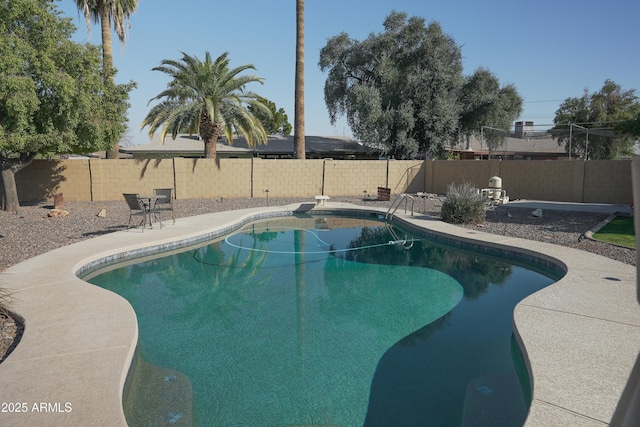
(327, 320)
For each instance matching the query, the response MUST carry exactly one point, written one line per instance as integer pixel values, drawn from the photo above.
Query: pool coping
(580, 336)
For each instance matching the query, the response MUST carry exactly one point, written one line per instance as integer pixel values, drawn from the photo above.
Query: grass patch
(619, 231)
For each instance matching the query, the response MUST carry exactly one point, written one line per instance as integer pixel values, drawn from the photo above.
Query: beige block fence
(598, 181)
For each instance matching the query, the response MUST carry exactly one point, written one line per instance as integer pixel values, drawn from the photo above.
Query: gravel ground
(32, 232)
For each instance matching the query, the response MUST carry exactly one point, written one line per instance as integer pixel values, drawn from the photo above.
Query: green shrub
(463, 205)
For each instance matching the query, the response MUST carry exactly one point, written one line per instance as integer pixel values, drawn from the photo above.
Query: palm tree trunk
(209, 132)
(107, 64)
(298, 121)
(210, 149)
(107, 47)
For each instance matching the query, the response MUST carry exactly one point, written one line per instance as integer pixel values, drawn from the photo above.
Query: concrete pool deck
(602, 208)
(580, 336)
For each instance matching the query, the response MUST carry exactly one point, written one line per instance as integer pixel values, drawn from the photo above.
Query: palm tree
(106, 12)
(298, 121)
(207, 98)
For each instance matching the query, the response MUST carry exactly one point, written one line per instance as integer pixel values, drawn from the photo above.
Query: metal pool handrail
(396, 203)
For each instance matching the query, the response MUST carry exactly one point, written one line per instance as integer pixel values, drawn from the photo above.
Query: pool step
(493, 400)
(157, 396)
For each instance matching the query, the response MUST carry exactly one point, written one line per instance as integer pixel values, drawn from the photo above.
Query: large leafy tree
(587, 125)
(107, 12)
(208, 98)
(275, 123)
(488, 106)
(298, 119)
(398, 88)
(629, 127)
(53, 99)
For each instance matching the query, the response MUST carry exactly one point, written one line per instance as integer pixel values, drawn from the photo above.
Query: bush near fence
(597, 181)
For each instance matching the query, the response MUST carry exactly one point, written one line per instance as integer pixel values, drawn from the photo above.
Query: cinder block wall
(605, 181)
(111, 178)
(446, 172)
(286, 178)
(44, 178)
(608, 181)
(348, 177)
(543, 180)
(76, 186)
(406, 176)
(208, 178)
(598, 181)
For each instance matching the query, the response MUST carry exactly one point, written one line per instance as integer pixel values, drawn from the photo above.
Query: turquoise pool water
(325, 321)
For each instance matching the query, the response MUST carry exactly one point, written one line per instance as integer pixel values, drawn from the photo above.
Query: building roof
(276, 145)
(318, 146)
(182, 144)
(542, 144)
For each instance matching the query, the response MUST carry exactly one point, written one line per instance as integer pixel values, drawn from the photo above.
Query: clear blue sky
(549, 49)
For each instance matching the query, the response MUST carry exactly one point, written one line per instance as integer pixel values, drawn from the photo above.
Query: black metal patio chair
(164, 204)
(137, 207)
